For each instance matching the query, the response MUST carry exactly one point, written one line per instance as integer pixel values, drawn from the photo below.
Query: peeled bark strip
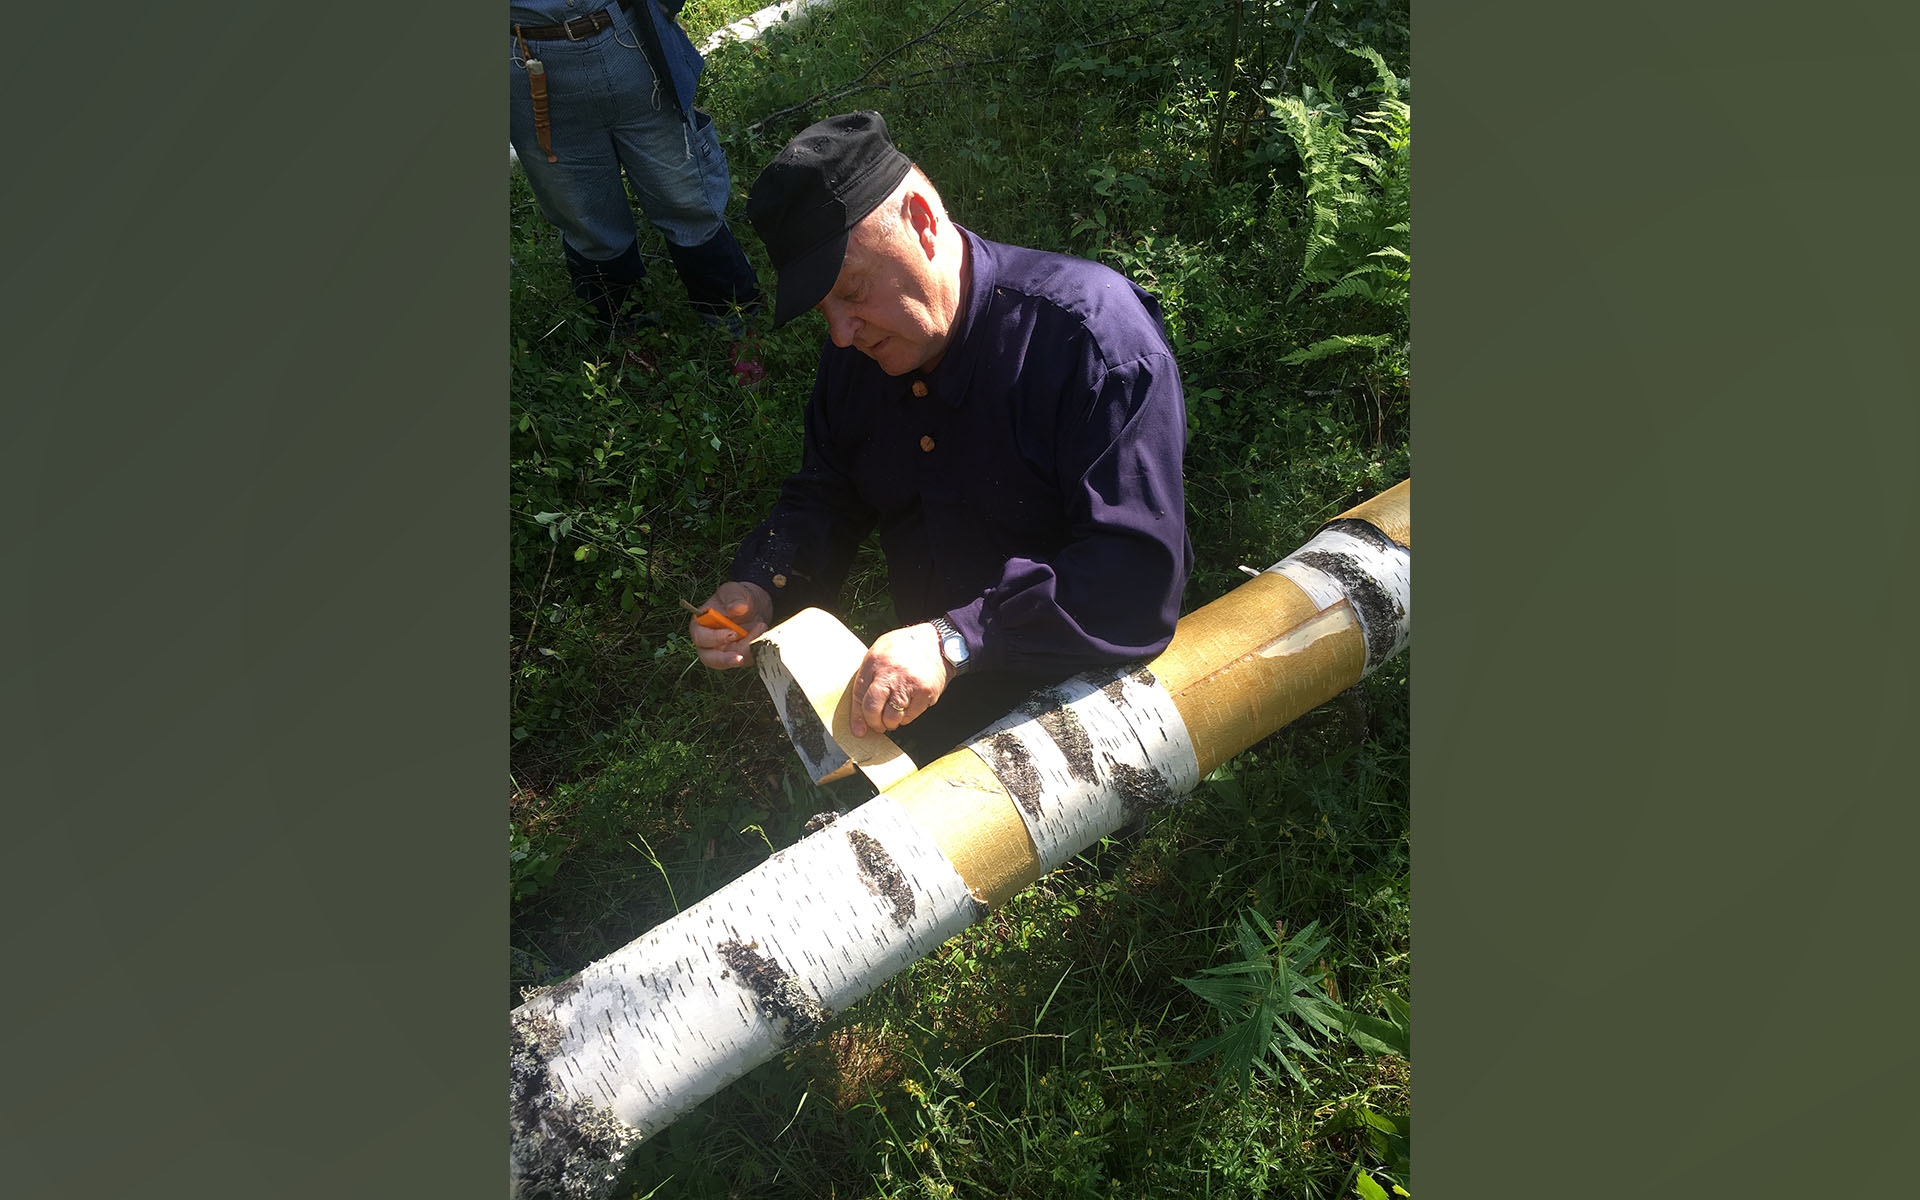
(807, 663)
(617, 1052)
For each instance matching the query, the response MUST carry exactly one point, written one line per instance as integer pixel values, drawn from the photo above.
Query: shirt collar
(949, 380)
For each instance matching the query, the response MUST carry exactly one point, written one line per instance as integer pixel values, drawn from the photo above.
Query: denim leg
(679, 175)
(582, 194)
(679, 178)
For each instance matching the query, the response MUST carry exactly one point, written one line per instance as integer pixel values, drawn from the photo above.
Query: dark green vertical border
(255, 704)
(1667, 417)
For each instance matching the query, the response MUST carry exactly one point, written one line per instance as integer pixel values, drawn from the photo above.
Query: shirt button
(779, 581)
(920, 387)
(926, 442)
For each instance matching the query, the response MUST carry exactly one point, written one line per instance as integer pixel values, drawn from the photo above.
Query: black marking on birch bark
(554, 992)
(1365, 531)
(563, 1148)
(1141, 789)
(1044, 701)
(1063, 726)
(804, 727)
(1014, 768)
(780, 995)
(819, 821)
(1379, 612)
(1115, 689)
(882, 877)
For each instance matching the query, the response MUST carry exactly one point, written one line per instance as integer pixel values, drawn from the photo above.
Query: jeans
(607, 113)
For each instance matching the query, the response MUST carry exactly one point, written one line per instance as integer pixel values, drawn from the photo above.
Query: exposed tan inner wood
(1391, 512)
(1246, 698)
(1255, 682)
(1236, 624)
(960, 802)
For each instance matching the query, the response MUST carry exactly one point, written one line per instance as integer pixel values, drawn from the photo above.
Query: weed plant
(1216, 1007)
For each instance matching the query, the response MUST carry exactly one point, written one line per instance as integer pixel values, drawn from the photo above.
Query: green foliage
(1388, 1139)
(528, 865)
(1048, 1050)
(1391, 1034)
(1269, 998)
(1367, 1188)
(1355, 221)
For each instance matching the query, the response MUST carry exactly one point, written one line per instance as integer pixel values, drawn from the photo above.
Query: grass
(1044, 1052)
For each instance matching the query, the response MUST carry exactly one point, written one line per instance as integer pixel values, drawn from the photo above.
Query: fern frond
(1338, 344)
(1386, 83)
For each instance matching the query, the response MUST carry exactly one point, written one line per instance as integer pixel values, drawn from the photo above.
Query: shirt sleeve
(801, 553)
(1112, 592)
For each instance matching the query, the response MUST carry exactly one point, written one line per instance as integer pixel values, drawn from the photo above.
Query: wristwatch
(953, 647)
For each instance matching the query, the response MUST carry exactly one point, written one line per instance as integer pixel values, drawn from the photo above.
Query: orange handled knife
(713, 618)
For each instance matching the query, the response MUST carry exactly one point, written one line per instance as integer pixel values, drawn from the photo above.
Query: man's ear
(922, 220)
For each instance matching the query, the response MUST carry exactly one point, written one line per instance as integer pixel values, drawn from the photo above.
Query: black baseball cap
(833, 173)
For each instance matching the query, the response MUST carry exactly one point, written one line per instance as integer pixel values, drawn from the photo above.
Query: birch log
(615, 1053)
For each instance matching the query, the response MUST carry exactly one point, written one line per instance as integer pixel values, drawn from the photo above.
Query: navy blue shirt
(1033, 494)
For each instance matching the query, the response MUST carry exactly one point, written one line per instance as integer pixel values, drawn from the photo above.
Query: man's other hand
(749, 606)
(901, 677)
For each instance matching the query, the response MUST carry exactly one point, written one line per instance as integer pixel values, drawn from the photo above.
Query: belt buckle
(587, 20)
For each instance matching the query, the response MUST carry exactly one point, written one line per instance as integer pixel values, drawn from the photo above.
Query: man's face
(895, 298)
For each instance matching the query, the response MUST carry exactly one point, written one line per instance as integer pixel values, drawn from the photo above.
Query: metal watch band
(944, 629)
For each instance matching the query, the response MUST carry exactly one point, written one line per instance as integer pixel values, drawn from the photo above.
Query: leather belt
(579, 29)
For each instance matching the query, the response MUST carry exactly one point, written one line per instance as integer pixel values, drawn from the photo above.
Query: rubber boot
(607, 287)
(724, 292)
(720, 281)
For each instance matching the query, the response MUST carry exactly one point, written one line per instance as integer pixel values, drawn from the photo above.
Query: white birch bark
(618, 1051)
(1352, 561)
(751, 26)
(1085, 757)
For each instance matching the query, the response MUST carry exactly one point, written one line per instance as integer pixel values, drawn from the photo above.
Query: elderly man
(1012, 422)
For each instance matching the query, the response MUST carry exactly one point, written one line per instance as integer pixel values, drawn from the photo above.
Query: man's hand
(750, 608)
(901, 677)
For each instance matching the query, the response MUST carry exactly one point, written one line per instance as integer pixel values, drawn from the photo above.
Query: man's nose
(841, 326)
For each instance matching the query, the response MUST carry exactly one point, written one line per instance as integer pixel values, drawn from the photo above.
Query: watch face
(954, 647)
